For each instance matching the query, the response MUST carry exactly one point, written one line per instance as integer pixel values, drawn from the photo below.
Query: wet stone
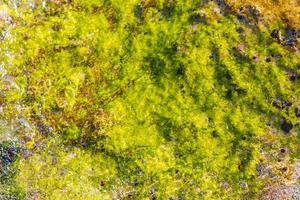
(286, 126)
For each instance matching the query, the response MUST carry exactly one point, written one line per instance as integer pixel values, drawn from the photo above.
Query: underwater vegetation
(149, 99)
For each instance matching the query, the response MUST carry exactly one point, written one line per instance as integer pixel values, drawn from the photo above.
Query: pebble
(286, 126)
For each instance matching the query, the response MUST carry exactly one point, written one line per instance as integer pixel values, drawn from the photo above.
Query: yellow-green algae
(145, 100)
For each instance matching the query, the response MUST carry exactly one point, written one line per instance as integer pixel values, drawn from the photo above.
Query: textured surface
(147, 99)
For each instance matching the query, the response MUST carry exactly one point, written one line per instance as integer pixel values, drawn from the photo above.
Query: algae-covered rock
(152, 99)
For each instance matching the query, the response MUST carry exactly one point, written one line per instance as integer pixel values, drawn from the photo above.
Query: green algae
(146, 100)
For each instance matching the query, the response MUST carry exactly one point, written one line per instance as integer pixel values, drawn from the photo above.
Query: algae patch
(147, 100)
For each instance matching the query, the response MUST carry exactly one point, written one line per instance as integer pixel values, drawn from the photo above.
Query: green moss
(150, 99)
(65, 173)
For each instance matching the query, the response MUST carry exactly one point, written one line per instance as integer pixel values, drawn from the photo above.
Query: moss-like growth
(146, 100)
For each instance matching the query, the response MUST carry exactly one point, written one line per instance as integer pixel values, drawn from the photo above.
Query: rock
(276, 34)
(286, 126)
(279, 193)
(291, 192)
(281, 104)
(296, 192)
(296, 172)
(290, 38)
